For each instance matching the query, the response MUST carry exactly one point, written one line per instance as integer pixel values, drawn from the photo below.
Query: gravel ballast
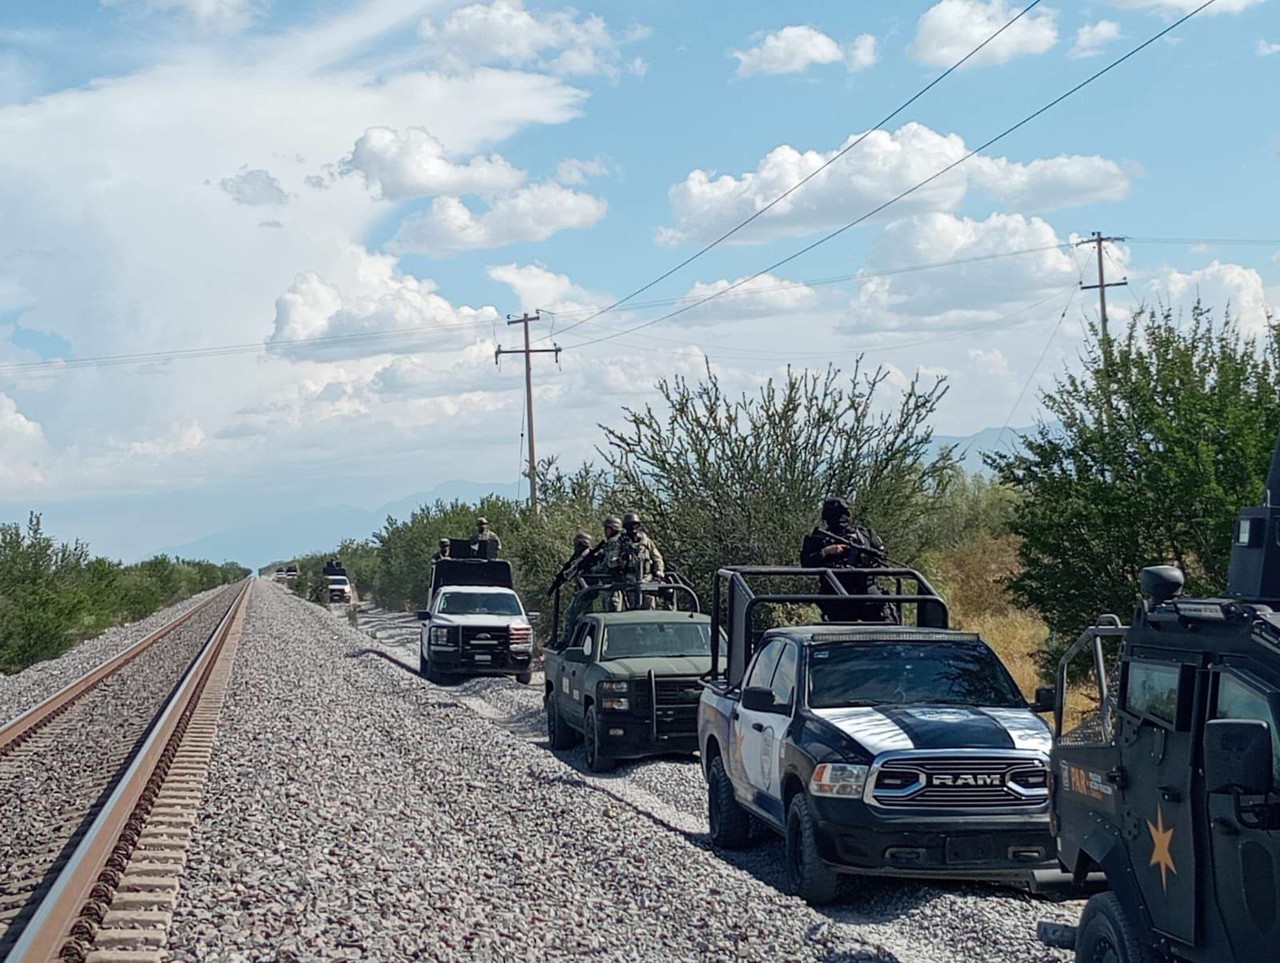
(28, 688)
(356, 811)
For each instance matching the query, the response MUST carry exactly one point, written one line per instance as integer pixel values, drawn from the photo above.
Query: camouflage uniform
(482, 534)
(642, 562)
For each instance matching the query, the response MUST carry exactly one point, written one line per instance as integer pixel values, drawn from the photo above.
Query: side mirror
(758, 698)
(1046, 699)
(424, 615)
(1237, 756)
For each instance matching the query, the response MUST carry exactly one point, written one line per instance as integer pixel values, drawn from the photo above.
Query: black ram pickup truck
(872, 748)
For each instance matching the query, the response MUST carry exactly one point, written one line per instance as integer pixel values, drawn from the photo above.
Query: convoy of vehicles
(475, 623)
(627, 682)
(876, 748)
(1170, 785)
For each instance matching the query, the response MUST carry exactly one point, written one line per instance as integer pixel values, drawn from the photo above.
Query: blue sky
(198, 174)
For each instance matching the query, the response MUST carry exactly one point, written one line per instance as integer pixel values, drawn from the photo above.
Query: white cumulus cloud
(531, 213)
(506, 32)
(412, 163)
(883, 166)
(1092, 37)
(765, 296)
(23, 443)
(1219, 286)
(1266, 49)
(951, 28)
(989, 361)
(206, 13)
(364, 297)
(796, 48)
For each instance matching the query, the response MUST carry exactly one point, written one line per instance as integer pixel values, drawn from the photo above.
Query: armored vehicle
(877, 749)
(1170, 784)
(627, 682)
(475, 623)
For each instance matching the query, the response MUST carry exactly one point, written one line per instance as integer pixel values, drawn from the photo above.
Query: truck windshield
(479, 603)
(913, 673)
(656, 638)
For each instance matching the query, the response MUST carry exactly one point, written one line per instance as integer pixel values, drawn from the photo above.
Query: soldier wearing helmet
(443, 552)
(838, 543)
(484, 534)
(637, 548)
(569, 570)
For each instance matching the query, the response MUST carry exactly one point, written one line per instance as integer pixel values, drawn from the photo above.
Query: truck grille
(482, 637)
(675, 713)
(987, 781)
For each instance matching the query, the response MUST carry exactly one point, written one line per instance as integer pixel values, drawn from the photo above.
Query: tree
(1143, 458)
(724, 480)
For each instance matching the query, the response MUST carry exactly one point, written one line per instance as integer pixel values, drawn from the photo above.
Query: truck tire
(429, 671)
(596, 762)
(559, 735)
(730, 823)
(524, 678)
(1106, 934)
(808, 876)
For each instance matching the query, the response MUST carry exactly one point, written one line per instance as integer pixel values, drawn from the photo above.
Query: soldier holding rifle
(837, 543)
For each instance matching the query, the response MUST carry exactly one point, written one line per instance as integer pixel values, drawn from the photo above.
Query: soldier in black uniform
(838, 543)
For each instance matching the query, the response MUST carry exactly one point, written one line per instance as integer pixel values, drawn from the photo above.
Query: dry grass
(971, 579)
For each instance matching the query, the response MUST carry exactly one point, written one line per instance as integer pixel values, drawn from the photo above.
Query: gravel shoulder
(356, 811)
(28, 688)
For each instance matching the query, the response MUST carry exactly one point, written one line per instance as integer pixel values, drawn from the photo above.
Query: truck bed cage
(471, 571)
(1107, 627)
(733, 584)
(592, 586)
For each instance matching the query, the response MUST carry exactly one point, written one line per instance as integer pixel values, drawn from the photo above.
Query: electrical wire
(814, 173)
(921, 184)
(1240, 241)
(1036, 369)
(836, 279)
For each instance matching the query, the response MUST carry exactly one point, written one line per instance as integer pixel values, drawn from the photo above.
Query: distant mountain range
(293, 533)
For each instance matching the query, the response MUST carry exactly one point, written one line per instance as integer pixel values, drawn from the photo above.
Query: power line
(835, 279)
(1196, 241)
(924, 183)
(814, 173)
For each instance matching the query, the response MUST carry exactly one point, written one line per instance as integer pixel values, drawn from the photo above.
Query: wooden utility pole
(1103, 284)
(528, 353)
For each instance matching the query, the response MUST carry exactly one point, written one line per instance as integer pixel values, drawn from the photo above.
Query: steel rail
(67, 911)
(24, 725)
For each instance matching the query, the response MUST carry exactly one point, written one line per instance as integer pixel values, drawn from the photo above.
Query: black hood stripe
(954, 727)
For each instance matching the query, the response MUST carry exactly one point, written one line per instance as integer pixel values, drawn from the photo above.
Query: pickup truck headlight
(838, 779)
(615, 685)
(439, 635)
(614, 704)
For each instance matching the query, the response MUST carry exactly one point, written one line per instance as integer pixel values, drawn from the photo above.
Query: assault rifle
(863, 550)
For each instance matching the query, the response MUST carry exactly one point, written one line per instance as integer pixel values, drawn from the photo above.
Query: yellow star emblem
(1161, 840)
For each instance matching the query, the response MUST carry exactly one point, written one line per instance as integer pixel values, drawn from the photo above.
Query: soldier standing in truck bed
(569, 570)
(640, 558)
(483, 534)
(837, 543)
(443, 552)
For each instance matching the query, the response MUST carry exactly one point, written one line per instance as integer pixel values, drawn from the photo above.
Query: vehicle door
(1157, 746)
(757, 735)
(1246, 859)
(578, 656)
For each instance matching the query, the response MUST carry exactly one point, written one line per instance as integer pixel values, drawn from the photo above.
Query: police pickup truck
(1170, 785)
(627, 682)
(475, 624)
(872, 749)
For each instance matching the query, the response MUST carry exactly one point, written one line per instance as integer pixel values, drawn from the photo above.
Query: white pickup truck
(476, 624)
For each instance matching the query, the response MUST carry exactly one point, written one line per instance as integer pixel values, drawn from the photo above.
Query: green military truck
(627, 682)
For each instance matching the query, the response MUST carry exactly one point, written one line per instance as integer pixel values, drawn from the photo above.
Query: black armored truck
(899, 748)
(1166, 773)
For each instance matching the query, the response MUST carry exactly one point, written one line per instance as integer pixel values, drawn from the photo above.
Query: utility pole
(1103, 284)
(528, 353)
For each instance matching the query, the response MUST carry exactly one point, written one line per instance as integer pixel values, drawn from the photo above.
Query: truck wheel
(559, 735)
(596, 761)
(1106, 934)
(809, 877)
(429, 671)
(730, 823)
(524, 678)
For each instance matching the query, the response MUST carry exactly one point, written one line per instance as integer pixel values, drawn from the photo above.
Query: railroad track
(98, 786)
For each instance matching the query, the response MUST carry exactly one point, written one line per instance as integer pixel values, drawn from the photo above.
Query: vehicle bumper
(466, 662)
(855, 838)
(626, 736)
